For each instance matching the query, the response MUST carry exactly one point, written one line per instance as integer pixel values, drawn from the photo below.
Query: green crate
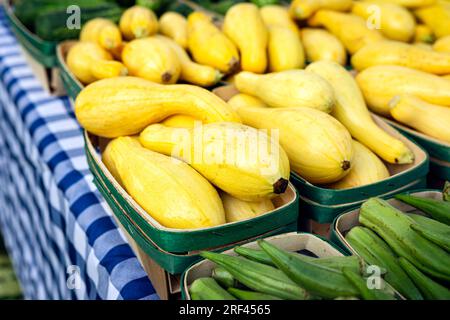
(179, 240)
(43, 51)
(69, 81)
(439, 151)
(440, 170)
(347, 220)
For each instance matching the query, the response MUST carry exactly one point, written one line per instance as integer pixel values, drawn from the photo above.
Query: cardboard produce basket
(346, 221)
(322, 205)
(438, 150)
(296, 242)
(71, 84)
(181, 240)
(303, 243)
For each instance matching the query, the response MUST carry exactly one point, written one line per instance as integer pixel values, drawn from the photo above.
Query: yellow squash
(152, 59)
(237, 210)
(117, 52)
(102, 31)
(380, 84)
(302, 9)
(180, 121)
(240, 160)
(89, 62)
(423, 33)
(126, 105)
(367, 169)
(285, 49)
(401, 54)
(293, 88)
(423, 45)
(319, 45)
(351, 29)
(209, 46)
(169, 190)
(431, 119)
(191, 71)
(395, 21)
(442, 45)
(409, 3)
(318, 147)
(276, 15)
(245, 100)
(351, 111)
(244, 26)
(138, 22)
(437, 17)
(174, 25)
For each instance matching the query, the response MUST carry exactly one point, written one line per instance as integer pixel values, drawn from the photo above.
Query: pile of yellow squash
(144, 76)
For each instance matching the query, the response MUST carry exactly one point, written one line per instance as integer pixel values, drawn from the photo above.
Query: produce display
(305, 82)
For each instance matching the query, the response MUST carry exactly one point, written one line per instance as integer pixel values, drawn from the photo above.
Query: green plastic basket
(43, 51)
(179, 240)
(439, 151)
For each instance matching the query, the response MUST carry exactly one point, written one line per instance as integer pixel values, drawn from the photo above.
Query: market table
(58, 230)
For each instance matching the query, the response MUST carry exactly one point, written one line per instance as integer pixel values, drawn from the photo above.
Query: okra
(208, 289)
(320, 280)
(431, 224)
(223, 277)
(258, 276)
(254, 254)
(442, 239)
(334, 262)
(376, 252)
(430, 289)
(250, 295)
(361, 284)
(438, 209)
(395, 228)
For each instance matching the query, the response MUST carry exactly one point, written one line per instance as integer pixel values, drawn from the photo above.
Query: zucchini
(262, 3)
(27, 10)
(51, 25)
(437, 209)
(208, 289)
(430, 289)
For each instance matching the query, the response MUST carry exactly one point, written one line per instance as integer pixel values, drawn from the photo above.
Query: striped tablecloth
(59, 232)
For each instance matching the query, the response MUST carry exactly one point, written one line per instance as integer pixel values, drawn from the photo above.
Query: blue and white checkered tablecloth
(54, 222)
